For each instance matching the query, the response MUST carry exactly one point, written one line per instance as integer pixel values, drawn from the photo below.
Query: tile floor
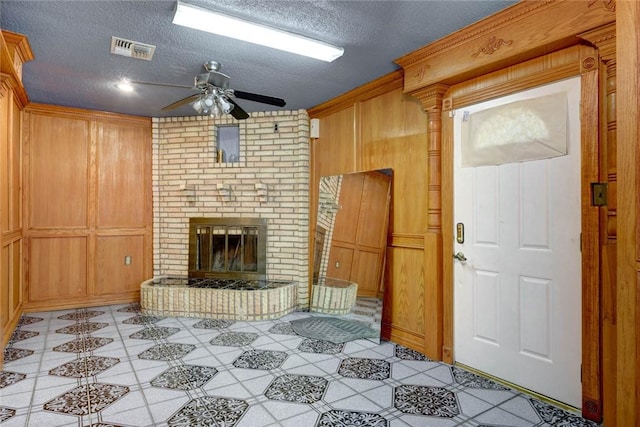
(113, 366)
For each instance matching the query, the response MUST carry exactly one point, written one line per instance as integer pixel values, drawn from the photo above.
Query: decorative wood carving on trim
(609, 5)
(419, 75)
(492, 45)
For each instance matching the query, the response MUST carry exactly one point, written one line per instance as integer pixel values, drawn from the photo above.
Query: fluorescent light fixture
(224, 25)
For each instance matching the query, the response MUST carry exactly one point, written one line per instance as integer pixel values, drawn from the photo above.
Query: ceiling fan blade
(238, 113)
(264, 99)
(140, 82)
(181, 102)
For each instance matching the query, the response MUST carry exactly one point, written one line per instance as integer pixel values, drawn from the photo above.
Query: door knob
(460, 257)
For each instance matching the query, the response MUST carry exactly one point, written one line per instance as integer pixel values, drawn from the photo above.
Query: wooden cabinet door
(360, 232)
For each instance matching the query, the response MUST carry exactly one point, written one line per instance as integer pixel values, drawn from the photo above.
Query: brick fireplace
(270, 182)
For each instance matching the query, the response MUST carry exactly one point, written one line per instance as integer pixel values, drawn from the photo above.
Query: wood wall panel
(4, 285)
(101, 164)
(59, 172)
(16, 276)
(627, 404)
(58, 268)
(124, 164)
(5, 146)
(15, 192)
(403, 305)
(335, 149)
(393, 135)
(113, 276)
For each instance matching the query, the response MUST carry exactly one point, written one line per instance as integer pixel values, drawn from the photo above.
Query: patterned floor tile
(85, 367)
(142, 320)
(84, 400)
(366, 369)
(169, 351)
(154, 333)
(20, 335)
(6, 413)
(310, 345)
(469, 379)
(558, 417)
(209, 411)
(9, 378)
(80, 345)
(213, 324)
(186, 377)
(29, 320)
(283, 329)
(234, 339)
(11, 353)
(405, 353)
(297, 388)
(260, 359)
(81, 315)
(242, 374)
(431, 401)
(131, 308)
(82, 328)
(336, 418)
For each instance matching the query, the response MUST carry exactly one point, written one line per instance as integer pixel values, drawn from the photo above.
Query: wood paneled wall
(88, 207)
(14, 50)
(377, 127)
(627, 405)
(483, 61)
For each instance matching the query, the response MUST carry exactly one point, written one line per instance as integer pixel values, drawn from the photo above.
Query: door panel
(517, 297)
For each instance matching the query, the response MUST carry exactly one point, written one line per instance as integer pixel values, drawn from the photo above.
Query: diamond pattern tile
(431, 401)
(169, 351)
(210, 411)
(260, 359)
(80, 345)
(154, 333)
(185, 377)
(9, 378)
(297, 388)
(366, 369)
(84, 400)
(85, 367)
(244, 374)
(82, 328)
(234, 339)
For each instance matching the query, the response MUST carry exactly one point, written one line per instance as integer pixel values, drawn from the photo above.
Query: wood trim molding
(503, 39)
(384, 84)
(57, 110)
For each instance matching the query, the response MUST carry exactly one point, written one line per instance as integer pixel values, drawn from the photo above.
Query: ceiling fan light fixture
(224, 105)
(206, 20)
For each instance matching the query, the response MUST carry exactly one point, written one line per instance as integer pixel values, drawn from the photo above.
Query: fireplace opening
(229, 248)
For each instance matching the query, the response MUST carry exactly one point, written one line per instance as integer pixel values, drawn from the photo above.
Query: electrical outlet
(127, 260)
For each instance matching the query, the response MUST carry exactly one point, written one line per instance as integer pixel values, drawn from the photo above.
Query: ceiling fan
(215, 96)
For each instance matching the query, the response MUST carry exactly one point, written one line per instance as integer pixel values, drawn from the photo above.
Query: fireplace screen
(227, 248)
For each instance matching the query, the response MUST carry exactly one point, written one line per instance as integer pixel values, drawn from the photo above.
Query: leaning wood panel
(113, 274)
(57, 268)
(58, 172)
(123, 163)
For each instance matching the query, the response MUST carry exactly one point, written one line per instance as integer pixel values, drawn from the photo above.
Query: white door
(517, 297)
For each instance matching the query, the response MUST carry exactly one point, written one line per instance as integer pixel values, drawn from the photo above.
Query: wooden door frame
(578, 61)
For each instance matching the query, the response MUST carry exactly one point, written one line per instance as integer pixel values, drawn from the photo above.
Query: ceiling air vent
(124, 47)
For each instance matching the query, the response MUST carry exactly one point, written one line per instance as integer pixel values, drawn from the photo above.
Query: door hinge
(599, 193)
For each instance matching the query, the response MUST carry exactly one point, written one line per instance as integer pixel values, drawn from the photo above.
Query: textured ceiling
(74, 67)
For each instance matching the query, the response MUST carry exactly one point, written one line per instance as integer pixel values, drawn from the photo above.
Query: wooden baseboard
(81, 302)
